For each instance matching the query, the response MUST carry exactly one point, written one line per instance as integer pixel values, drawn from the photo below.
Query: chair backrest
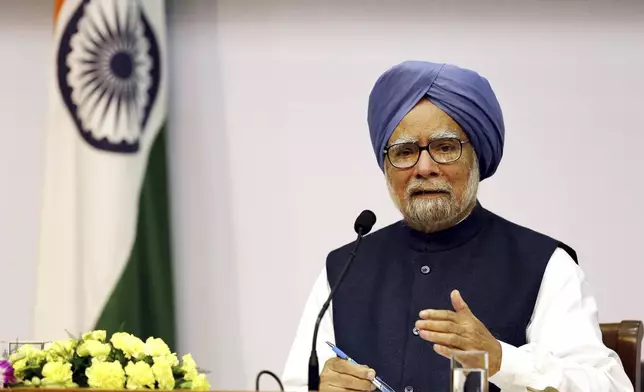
(625, 339)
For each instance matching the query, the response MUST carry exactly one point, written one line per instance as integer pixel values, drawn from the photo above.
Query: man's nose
(426, 166)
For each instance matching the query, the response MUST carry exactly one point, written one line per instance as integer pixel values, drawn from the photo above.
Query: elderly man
(451, 275)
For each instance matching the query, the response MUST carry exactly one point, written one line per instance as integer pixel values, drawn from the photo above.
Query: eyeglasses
(406, 155)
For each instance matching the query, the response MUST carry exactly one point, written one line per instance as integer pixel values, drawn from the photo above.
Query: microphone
(362, 226)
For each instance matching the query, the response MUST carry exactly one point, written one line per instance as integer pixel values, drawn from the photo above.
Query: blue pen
(377, 381)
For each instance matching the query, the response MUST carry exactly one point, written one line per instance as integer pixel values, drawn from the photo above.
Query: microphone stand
(314, 366)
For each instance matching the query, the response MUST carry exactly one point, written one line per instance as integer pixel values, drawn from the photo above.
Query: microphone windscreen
(364, 222)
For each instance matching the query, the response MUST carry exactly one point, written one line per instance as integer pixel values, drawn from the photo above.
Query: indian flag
(104, 248)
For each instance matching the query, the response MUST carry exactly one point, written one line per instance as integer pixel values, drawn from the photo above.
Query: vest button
(408, 388)
(425, 269)
(415, 331)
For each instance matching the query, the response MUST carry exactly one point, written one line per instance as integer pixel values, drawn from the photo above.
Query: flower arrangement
(124, 361)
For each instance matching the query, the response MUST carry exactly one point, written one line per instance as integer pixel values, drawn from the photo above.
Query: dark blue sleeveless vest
(497, 266)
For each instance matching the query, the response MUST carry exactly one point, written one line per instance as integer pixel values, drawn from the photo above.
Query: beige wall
(268, 114)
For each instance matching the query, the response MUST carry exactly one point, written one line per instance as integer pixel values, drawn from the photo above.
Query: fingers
(432, 314)
(439, 326)
(458, 303)
(444, 339)
(340, 375)
(351, 383)
(443, 351)
(345, 367)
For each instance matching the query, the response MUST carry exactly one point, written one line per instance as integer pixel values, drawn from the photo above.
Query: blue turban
(463, 94)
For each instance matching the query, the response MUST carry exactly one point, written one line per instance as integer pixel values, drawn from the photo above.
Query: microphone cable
(268, 372)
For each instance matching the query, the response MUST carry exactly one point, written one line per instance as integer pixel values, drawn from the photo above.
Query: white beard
(437, 213)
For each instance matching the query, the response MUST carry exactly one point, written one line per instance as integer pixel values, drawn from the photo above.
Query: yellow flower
(162, 370)
(19, 365)
(172, 359)
(99, 335)
(95, 349)
(30, 353)
(139, 375)
(19, 368)
(35, 381)
(26, 357)
(57, 373)
(105, 375)
(61, 350)
(200, 383)
(189, 367)
(156, 347)
(161, 350)
(131, 346)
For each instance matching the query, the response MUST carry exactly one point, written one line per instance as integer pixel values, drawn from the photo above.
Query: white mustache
(431, 186)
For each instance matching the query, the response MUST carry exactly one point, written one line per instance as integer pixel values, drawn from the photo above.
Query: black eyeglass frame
(426, 148)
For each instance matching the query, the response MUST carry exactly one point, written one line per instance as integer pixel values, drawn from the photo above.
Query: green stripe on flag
(142, 302)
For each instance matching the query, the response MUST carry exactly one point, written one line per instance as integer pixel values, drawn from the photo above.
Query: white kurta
(564, 349)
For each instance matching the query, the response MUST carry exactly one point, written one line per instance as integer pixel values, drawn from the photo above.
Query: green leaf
(79, 366)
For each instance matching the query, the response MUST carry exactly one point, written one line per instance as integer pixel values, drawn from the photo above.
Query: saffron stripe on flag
(58, 4)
